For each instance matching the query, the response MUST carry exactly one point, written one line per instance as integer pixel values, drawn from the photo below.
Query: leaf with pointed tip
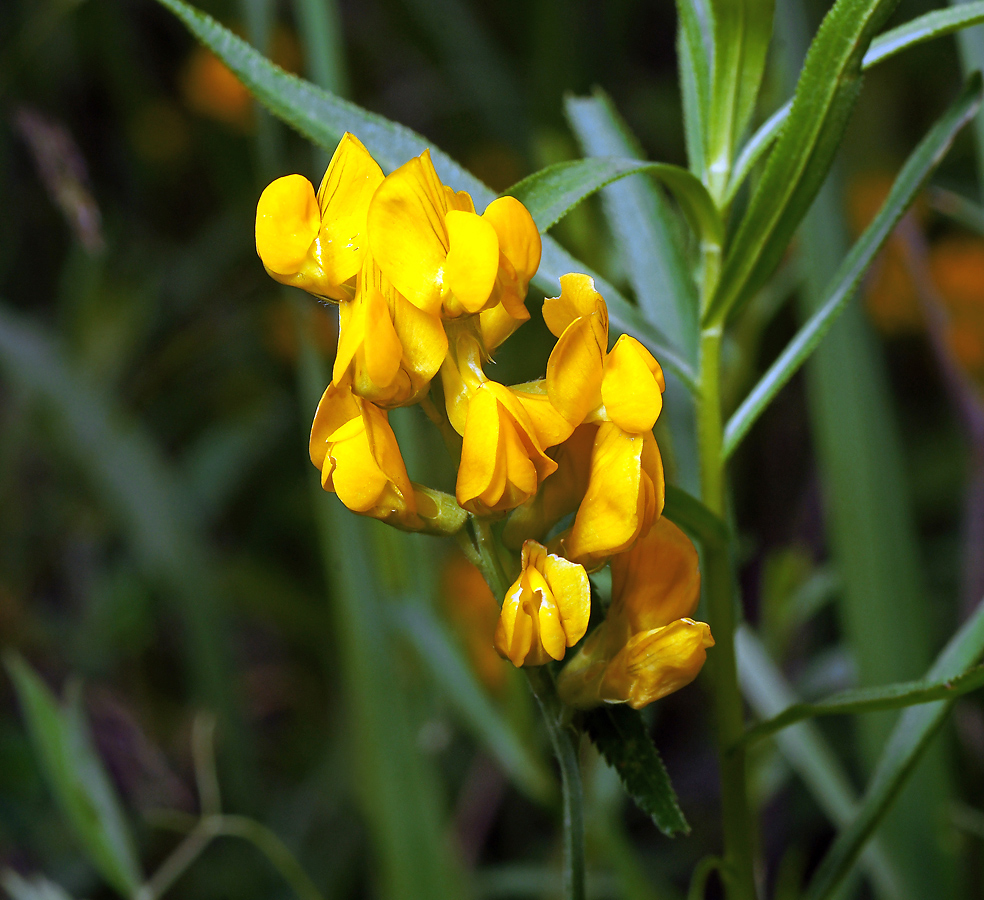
(619, 733)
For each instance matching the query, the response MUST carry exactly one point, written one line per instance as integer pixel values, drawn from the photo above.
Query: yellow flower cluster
(427, 290)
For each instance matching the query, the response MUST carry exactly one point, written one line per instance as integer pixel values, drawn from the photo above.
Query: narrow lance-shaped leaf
(77, 778)
(935, 24)
(551, 193)
(825, 95)
(875, 699)
(323, 118)
(909, 181)
(643, 224)
(693, 59)
(619, 733)
(910, 738)
(742, 30)
(694, 517)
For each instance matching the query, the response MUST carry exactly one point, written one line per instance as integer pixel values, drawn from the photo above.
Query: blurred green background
(163, 536)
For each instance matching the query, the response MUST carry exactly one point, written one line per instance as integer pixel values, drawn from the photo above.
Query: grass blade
(935, 24)
(865, 700)
(551, 193)
(825, 95)
(76, 777)
(806, 751)
(917, 169)
(644, 225)
(909, 740)
(396, 790)
(437, 651)
(691, 515)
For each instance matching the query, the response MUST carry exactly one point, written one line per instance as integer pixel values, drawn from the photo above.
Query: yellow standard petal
(407, 232)
(576, 367)
(656, 663)
(472, 260)
(632, 386)
(349, 183)
(287, 224)
(578, 297)
(545, 611)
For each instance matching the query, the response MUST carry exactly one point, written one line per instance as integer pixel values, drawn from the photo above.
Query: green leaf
(38, 888)
(620, 735)
(643, 224)
(910, 738)
(807, 752)
(937, 23)
(825, 95)
(742, 31)
(917, 169)
(865, 700)
(695, 75)
(323, 118)
(554, 191)
(77, 778)
(691, 515)
(438, 652)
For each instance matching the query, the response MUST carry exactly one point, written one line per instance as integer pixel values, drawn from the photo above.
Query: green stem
(737, 869)
(563, 737)
(565, 743)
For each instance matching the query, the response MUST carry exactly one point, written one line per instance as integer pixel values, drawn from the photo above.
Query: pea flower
(319, 243)
(441, 255)
(388, 349)
(354, 447)
(647, 647)
(585, 382)
(545, 611)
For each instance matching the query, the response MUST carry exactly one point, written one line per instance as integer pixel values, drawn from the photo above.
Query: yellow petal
(383, 349)
(514, 631)
(348, 185)
(572, 593)
(480, 469)
(611, 514)
(501, 320)
(287, 223)
(351, 334)
(407, 233)
(578, 297)
(552, 636)
(337, 406)
(656, 663)
(519, 239)
(358, 480)
(632, 395)
(656, 581)
(549, 426)
(576, 367)
(424, 341)
(472, 260)
(386, 453)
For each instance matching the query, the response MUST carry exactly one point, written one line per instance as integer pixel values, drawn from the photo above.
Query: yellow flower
(587, 383)
(623, 498)
(647, 647)
(388, 350)
(319, 243)
(545, 611)
(354, 447)
(442, 256)
(502, 463)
